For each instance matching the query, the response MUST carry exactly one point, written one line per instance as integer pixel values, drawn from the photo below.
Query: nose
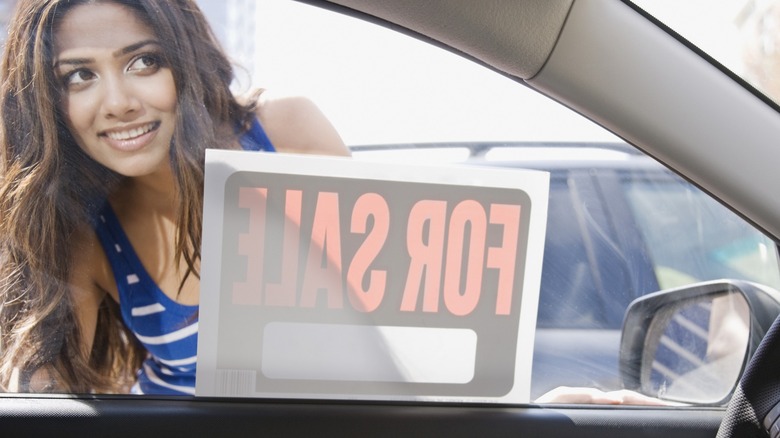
(120, 101)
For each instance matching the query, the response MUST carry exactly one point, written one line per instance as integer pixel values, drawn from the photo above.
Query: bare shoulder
(295, 124)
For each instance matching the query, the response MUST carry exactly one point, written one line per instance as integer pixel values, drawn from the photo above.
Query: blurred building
(759, 22)
(6, 9)
(233, 22)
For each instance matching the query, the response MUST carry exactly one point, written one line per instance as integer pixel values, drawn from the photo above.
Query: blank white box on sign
(310, 351)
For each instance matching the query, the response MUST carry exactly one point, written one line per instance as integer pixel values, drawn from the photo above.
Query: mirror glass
(696, 349)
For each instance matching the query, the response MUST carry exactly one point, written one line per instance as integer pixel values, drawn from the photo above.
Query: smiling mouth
(132, 133)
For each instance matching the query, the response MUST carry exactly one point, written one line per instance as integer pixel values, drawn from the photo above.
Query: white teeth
(132, 133)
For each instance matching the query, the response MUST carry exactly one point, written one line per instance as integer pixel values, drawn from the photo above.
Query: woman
(107, 107)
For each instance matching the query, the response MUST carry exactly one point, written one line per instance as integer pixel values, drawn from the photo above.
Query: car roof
(559, 155)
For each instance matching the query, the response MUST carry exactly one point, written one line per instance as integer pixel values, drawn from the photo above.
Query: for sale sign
(336, 278)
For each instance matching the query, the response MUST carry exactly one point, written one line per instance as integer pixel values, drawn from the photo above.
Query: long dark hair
(50, 189)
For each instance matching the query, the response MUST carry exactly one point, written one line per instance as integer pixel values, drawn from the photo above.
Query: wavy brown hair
(50, 189)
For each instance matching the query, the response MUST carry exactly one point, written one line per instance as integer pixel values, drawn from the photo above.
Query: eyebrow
(133, 47)
(121, 52)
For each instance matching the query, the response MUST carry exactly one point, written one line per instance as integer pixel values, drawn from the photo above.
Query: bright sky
(378, 86)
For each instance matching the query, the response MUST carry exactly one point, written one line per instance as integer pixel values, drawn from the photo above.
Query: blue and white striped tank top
(167, 329)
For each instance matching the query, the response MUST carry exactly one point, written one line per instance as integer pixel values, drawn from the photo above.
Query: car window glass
(611, 210)
(691, 221)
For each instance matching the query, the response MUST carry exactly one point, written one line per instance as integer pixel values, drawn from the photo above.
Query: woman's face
(118, 95)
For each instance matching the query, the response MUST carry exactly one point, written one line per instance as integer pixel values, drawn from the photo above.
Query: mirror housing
(691, 344)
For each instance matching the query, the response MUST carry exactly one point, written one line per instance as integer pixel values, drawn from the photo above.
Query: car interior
(614, 64)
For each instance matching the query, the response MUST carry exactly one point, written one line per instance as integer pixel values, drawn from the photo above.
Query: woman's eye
(144, 63)
(78, 77)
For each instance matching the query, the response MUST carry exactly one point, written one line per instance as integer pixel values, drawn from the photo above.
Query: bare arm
(90, 278)
(570, 395)
(296, 125)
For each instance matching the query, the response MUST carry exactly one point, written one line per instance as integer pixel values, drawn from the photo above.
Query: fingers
(574, 395)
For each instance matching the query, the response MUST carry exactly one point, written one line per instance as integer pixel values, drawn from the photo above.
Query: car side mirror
(691, 344)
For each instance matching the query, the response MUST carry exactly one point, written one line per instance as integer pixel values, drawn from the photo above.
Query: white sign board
(335, 278)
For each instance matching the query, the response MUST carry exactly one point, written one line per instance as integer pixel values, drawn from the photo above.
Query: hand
(572, 395)
(42, 381)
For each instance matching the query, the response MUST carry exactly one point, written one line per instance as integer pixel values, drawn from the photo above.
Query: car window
(619, 225)
(727, 246)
